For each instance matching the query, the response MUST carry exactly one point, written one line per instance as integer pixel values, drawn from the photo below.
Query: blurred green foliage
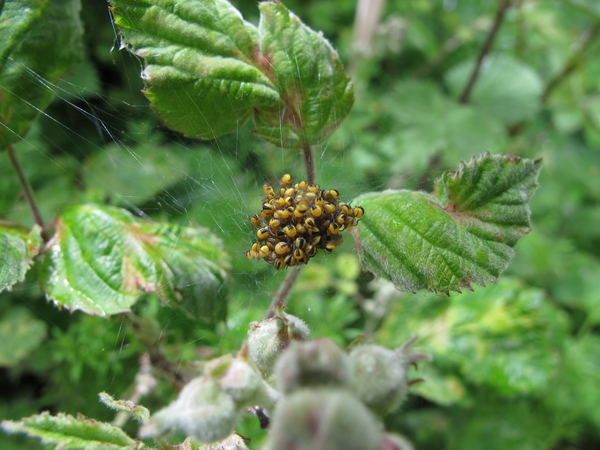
(516, 365)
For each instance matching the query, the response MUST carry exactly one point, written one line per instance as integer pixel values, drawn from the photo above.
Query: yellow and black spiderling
(297, 220)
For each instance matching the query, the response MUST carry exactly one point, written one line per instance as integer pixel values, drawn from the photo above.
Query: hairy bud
(202, 411)
(380, 375)
(238, 379)
(268, 339)
(389, 441)
(233, 442)
(315, 363)
(322, 419)
(208, 408)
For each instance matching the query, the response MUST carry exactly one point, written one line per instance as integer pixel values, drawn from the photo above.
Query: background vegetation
(516, 365)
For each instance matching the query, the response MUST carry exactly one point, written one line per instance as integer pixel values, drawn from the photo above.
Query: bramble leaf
(30, 62)
(102, 259)
(316, 92)
(462, 234)
(20, 333)
(70, 433)
(140, 413)
(208, 71)
(18, 247)
(201, 73)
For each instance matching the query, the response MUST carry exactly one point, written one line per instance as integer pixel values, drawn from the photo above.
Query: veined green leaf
(102, 259)
(70, 433)
(316, 92)
(208, 71)
(31, 62)
(505, 338)
(20, 333)
(18, 247)
(464, 233)
(201, 73)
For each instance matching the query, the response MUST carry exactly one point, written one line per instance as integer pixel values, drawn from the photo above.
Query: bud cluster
(297, 221)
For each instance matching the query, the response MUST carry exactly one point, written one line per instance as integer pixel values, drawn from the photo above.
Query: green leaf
(202, 71)
(69, 433)
(429, 121)
(18, 247)
(506, 88)
(441, 388)
(316, 92)
(140, 413)
(20, 333)
(208, 71)
(461, 234)
(498, 424)
(578, 399)
(102, 259)
(31, 62)
(505, 338)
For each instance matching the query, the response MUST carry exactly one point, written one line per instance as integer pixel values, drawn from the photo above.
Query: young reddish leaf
(69, 433)
(464, 233)
(202, 73)
(208, 71)
(102, 259)
(20, 334)
(30, 62)
(18, 247)
(315, 90)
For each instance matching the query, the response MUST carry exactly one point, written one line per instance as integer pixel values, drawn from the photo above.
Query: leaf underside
(140, 413)
(461, 234)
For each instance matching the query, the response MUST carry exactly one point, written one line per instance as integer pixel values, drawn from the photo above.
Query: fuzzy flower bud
(238, 379)
(315, 363)
(269, 338)
(208, 408)
(389, 441)
(233, 442)
(380, 375)
(202, 411)
(322, 419)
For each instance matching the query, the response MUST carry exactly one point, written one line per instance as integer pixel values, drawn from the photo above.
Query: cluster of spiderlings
(298, 221)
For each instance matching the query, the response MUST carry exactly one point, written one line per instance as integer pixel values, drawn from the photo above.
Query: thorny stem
(284, 290)
(37, 216)
(503, 5)
(573, 62)
(309, 163)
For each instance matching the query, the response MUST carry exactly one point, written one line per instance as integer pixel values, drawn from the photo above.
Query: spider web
(99, 141)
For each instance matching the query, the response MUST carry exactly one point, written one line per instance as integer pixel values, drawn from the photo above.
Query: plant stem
(284, 290)
(573, 62)
(503, 5)
(37, 216)
(309, 163)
